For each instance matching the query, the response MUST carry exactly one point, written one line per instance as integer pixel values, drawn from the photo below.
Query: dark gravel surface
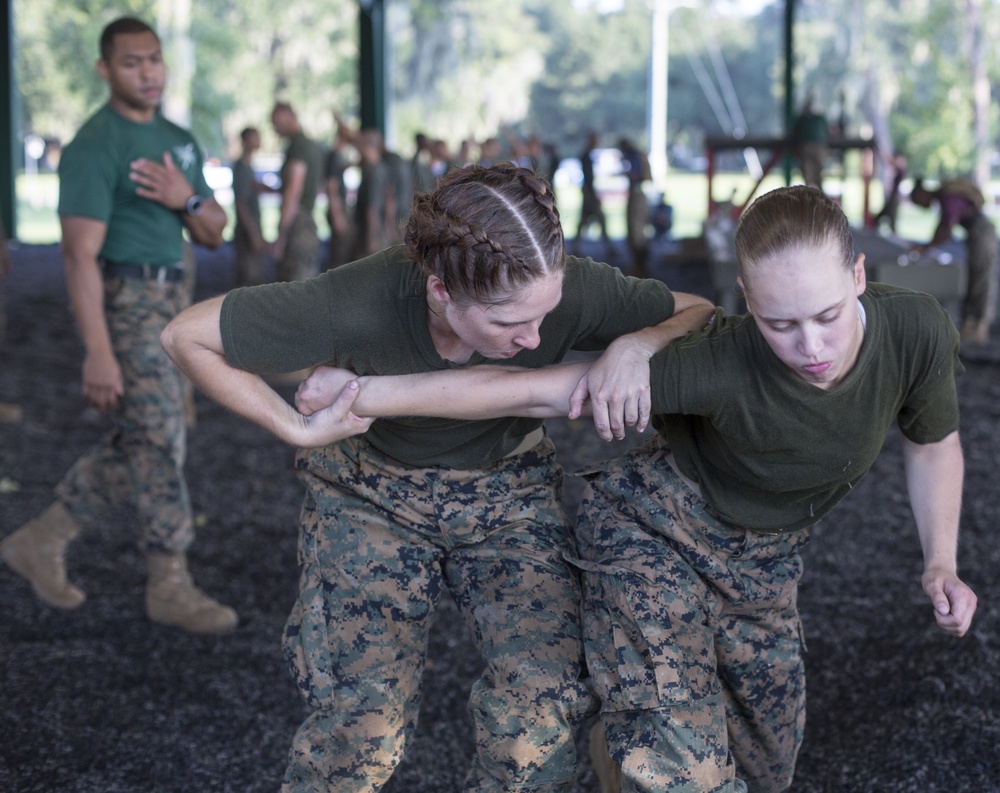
(100, 700)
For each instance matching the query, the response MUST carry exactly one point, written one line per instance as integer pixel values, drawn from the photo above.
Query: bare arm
(618, 382)
(294, 179)
(248, 221)
(934, 474)
(82, 239)
(336, 212)
(165, 184)
(480, 392)
(193, 341)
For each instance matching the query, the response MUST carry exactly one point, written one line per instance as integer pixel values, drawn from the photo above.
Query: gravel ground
(100, 700)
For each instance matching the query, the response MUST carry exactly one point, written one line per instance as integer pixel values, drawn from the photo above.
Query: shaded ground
(101, 701)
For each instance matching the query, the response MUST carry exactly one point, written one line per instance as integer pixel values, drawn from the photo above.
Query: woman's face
(805, 303)
(502, 331)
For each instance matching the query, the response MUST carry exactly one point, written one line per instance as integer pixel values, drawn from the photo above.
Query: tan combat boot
(173, 599)
(37, 551)
(607, 771)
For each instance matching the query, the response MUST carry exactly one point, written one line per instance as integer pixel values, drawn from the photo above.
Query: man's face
(282, 121)
(135, 74)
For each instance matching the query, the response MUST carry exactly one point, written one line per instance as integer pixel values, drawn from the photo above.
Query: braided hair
(486, 232)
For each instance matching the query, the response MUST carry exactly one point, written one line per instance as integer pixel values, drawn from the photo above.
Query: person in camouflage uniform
(410, 509)
(690, 544)
(130, 183)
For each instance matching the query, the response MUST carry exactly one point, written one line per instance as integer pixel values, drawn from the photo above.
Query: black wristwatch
(194, 205)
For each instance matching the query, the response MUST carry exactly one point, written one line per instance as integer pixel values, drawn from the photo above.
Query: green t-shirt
(245, 189)
(371, 316)
(773, 453)
(94, 183)
(302, 149)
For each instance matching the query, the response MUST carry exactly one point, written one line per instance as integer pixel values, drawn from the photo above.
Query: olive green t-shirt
(771, 452)
(371, 316)
(94, 183)
(305, 150)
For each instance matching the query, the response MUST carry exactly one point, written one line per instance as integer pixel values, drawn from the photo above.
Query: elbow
(168, 340)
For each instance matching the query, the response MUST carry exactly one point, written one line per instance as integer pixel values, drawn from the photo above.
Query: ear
(102, 69)
(860, 277)
(437, 289)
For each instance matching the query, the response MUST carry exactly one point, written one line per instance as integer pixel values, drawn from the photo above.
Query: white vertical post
(659, 57)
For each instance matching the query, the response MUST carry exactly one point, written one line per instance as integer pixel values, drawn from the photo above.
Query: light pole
(658, 78)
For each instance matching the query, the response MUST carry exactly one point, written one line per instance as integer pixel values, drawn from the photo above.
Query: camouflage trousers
(140, 462)
(249, 265)
(692, 634)
(301, 256)
(379, 544)
(980, 299)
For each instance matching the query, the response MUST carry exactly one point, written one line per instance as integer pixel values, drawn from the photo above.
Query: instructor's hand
(102, 381)
(161, 182)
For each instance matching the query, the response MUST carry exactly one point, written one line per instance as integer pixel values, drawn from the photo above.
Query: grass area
(38, 223)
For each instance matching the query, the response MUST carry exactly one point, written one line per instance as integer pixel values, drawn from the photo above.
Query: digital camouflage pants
(301, 256)
(379, 544)
(692, 634)
(140, 462)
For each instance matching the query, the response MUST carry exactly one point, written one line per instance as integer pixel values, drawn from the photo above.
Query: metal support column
(789, 81)
(8, 107)
(371, 66)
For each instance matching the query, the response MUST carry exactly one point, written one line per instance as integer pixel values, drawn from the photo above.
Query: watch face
(193, 205)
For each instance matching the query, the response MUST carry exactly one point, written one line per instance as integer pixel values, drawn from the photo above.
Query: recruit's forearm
(481, 392)
(690, 313)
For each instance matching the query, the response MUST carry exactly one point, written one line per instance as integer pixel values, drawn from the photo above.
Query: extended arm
(82, 239)
(618, 382)
(934, 474)
(480, 392)
(193, 341)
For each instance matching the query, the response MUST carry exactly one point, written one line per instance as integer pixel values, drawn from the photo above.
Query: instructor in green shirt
(130, 183)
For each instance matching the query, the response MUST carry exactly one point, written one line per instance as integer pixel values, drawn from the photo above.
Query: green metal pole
(371, 67)
(8, 96)
(789, 81)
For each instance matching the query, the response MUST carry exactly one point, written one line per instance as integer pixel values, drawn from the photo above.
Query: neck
(140, 115)
(446, 342)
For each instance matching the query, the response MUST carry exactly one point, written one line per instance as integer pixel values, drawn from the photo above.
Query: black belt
(148, 272)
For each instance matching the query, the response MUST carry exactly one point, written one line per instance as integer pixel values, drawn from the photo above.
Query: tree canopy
(915, 73)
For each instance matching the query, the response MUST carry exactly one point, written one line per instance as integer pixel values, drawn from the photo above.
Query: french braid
(486, 232)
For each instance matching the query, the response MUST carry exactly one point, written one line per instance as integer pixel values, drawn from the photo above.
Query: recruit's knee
(526, 734)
